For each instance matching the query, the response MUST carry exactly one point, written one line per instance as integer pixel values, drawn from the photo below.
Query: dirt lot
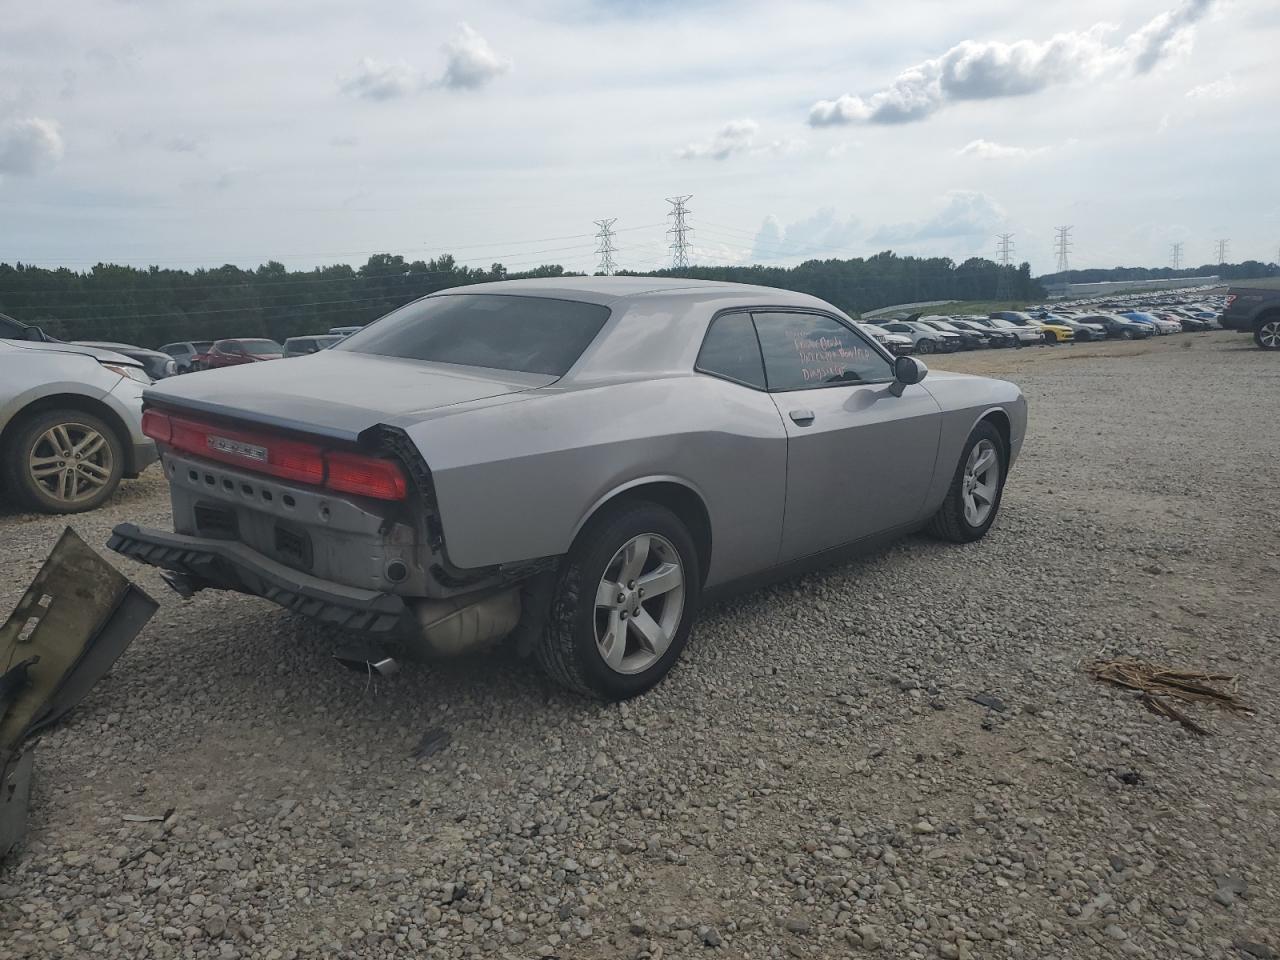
(811, 781)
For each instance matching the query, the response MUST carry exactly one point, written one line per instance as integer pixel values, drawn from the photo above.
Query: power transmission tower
(679, 231)
(1063, 244)
(1176, 255)
(606, 248)
(1004, 251)
(1222, 251)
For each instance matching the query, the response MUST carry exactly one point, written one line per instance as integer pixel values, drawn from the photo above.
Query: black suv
(1255, 308)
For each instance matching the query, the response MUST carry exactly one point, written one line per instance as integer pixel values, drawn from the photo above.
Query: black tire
(949, 523)
(1126, 334)
(1267, 334)
(924, 346)
(567, 650)
(15, 459)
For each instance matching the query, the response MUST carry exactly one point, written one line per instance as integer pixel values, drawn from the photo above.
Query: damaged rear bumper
(231, 565)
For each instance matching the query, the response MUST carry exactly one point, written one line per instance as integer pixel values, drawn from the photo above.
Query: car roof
(607, 291)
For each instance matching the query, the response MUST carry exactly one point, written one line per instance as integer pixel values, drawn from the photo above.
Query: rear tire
(580, 646)
(924, 346)
(1267, 334)
(953, 521)
(63, 461)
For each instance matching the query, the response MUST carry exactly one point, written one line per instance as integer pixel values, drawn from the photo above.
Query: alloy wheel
(71, 462)
(1269, 335)
(639, 603)
(980, 483)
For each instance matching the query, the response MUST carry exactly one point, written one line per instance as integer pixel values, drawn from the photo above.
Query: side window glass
(804, 350)
(731, 351)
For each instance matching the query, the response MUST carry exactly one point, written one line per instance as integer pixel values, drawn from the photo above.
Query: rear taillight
(281, 457)
(1231, 298)
(367, 476)
(157, 425)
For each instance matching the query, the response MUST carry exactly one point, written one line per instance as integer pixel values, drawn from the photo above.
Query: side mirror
(906, 371)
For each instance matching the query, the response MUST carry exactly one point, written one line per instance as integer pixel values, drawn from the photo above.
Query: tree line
(153, 305)
(1245, 270)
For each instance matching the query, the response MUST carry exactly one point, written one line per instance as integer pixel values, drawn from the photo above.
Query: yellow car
(1056, 332)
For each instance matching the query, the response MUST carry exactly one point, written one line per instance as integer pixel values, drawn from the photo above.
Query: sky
(183, 133)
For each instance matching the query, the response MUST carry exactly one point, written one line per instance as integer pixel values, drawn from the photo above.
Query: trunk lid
(337, 394)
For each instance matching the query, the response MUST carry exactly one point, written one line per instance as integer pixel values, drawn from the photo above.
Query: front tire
(63, 461)
(924, 346)
(625, 601)
(1267, 335)
(977, 487)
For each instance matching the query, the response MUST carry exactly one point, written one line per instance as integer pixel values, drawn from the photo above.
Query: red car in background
(231, 353)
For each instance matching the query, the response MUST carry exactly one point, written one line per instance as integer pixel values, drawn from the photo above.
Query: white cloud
(471, 62)
(968, 214)
(1166, 35)
(984, 70)
(822, 233)
(29, 146)
(1215, 90)
(989, 150)
(736, 136)
(379, 80)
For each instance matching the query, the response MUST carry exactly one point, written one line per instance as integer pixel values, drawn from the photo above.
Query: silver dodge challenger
(574, 465)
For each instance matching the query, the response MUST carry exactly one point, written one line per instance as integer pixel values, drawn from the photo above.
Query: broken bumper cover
(230, 565)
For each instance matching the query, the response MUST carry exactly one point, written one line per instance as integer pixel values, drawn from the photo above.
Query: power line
(1063, 244)
(680, 231)
(606, 249)
(1176, 255)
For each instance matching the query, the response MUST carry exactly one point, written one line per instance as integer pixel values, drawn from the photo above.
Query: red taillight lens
(280, 457)
(1231, 298)
(157, 425)
(366, 476)
(260, 452)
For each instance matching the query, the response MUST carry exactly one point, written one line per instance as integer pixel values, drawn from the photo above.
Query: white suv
(70, 423)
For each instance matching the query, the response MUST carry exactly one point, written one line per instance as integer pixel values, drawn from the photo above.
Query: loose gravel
(813, 780)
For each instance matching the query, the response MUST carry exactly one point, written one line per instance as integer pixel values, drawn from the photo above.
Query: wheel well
(681, 501)
(74, 401)
(1000, 420)
(1265, 315)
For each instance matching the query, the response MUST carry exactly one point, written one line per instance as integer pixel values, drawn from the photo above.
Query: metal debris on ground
(73, 622)
(432, 742)
(1158, 685)
(990, 702)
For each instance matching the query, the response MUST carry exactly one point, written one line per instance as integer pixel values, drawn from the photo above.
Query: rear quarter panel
(516, 481)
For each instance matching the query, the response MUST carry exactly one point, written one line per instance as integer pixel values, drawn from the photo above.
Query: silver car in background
(70, 424)
(575, 464)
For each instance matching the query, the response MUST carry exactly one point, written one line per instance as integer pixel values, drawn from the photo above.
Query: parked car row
(191, 355)
(1081, 321)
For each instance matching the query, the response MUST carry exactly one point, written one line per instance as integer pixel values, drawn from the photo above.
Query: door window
(805, 350)
(731, 351)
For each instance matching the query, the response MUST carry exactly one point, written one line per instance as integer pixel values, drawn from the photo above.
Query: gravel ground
(811, 781)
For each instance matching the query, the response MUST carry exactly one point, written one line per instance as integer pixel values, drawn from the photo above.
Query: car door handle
(802, 417)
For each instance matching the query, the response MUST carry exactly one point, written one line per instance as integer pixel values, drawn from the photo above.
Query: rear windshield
(526, 334)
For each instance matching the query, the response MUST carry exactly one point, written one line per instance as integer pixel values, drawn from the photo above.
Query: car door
(860, 460)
